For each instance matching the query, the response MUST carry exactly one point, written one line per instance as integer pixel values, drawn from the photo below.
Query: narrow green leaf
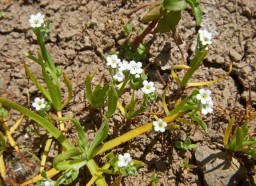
(88, 84)
(53, 90)
(169, 22)
(99, 137)
(239, 138)
(112, 101)
(47, 125)
(70, 164)
(228, 131)
(175, 5)
(37, 84)
(70, 90)
(166, 110)
(197, 119)
(73, 152)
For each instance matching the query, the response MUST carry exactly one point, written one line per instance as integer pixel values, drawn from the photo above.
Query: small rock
(3, 85)
(218, 167)
(234, 55)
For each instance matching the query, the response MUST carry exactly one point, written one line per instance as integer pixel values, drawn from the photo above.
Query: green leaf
(175, 5)
(239, 138)
(199, 121)
(63, 157)
(169, 22)
(70, 90)
(127, 29)
(228, 131)
(88, 84)
(37, 84)
(112, 101)
(153, 14)
(99, 137)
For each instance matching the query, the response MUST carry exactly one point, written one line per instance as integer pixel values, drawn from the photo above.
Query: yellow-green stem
(62, 127)
(9, 136)
(2, 166)
(130, 135)
(45, 153)
(93, 167)
(95, 177)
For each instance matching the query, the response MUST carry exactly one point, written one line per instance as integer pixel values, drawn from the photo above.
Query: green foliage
(240, 140)
(137, 55)
(127, 29)
(96, 97)
(112, 101)
(186, 145)
(3, 112)
(2, 143)
(196, 9)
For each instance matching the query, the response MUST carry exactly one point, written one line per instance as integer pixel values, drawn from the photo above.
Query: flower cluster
(205, 99)
(36, 20)
(135, 68)
(39, 104)
(205, 37)
(48, 183)
(124, 160)
(159, 125)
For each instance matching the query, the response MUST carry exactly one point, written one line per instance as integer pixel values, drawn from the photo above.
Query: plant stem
(2, 166)
(140, 38)
(45, 153)
(93, 167)
(130, 135)
(9, 136)
(62, 127)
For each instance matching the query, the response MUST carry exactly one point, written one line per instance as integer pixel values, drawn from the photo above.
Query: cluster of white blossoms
(38, 104)
(159, 125)
(124, 160)
(135, 68)
(205, 98)
(205, 37)
(36, 20)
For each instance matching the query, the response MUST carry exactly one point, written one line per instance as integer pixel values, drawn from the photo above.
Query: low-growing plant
(126, 76)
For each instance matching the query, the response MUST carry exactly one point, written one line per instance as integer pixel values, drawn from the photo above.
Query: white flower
(38, 104)
(48, 183)
(204, 96)
(137, 76)
(119, 76)
(207, 107)
(159, 125)
(148, 87)
(124, 160)
(113, 61)
(135, 68)
(123, 65)
(205, 37)
(36, 20)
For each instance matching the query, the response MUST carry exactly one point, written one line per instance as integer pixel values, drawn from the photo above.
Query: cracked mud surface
(82, 32)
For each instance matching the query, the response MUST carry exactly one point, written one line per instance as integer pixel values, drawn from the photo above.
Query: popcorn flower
(119, 76)
(205, 37)
(148, 87)
(36, 20)
(204, 96)
(123, 65)
(207, 107)
(38, 104)
(124, 160)
(113, 61)
(135, 68)
(159, 125)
